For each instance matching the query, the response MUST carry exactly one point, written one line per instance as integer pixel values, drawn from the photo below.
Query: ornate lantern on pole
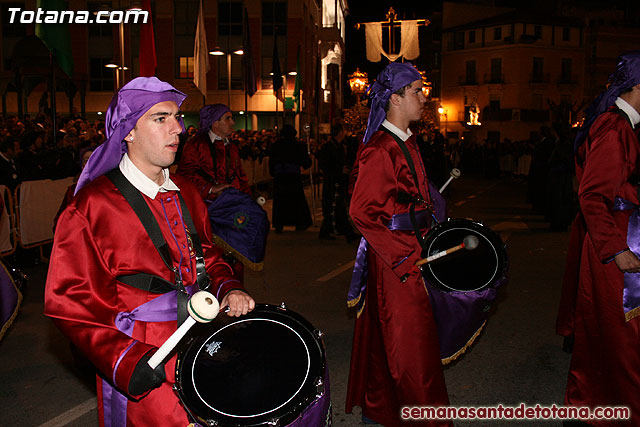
(355, 118)
(358, 82)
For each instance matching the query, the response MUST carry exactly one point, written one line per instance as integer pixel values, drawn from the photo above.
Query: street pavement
(517, 358)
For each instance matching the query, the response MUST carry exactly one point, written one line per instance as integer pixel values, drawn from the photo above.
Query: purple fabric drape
(9, 299)
(395, 76)
(631, 292)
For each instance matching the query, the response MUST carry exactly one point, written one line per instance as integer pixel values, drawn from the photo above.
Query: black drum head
(464, 270)
(250, 370)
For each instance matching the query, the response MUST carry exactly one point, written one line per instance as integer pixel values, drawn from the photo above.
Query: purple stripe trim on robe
(122, 357)
(160, 309)
(631, 292)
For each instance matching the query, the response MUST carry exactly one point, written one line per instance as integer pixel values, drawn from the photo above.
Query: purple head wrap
(626, 75)
(127, 106)
(395, 76)
(210, 114)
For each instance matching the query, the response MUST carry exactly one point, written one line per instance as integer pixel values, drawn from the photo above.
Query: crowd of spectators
(544, 161)
(34, 152)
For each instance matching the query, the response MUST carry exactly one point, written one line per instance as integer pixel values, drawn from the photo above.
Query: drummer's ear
(129, 137)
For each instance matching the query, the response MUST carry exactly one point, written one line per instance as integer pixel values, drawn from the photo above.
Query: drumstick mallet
(203, 307)
(455, 173)
(469, 243)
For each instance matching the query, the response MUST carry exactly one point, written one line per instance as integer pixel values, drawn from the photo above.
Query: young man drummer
(395, 360)
(101, 247)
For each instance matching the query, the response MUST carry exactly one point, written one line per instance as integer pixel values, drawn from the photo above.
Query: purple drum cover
(238, 220)
(460, 316)
(10, 298)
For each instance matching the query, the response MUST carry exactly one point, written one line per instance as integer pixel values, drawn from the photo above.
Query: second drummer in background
(395, 360)
(212, 161)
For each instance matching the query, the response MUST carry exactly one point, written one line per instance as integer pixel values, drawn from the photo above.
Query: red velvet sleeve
(81, 295)
(609, 162)
(196, 156)
(374, 203)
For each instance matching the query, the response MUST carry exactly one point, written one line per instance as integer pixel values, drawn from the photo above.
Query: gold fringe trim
(15, 312)
(255, 266)
(361, 309)
(352, 303)
(632, 314)
(464, 349)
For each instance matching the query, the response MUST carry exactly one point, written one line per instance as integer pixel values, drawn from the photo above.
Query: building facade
(520, 70)
(315, 28)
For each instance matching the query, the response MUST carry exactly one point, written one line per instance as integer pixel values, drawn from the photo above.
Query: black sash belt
(150, 282)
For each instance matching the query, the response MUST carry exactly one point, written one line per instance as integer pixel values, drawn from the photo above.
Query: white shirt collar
(397, 131)
(634, 116)
(143, 183)
(214, 137)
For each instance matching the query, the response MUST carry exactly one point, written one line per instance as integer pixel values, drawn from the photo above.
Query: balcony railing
(468, 81)
(509, 114)
(494, 78)
(539, 78)
(571, 79)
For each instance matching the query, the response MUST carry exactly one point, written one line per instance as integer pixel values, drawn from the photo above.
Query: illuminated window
(186, 67)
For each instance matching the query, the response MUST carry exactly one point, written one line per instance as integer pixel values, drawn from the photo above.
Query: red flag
(148, 61)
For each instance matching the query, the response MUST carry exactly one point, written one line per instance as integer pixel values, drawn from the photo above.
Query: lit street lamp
(219, 52)
(443, 112)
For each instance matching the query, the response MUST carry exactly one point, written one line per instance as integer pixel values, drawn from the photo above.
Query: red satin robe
(196, 160)
(395, 359)
(99, 238)
(605, 363)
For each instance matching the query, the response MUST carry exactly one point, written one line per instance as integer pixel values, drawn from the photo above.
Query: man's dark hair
(336, 129)
(401, 92)
(7, 144)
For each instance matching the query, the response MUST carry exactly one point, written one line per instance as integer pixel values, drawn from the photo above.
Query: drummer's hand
(627, 262)
(217, 188)
(239, 303)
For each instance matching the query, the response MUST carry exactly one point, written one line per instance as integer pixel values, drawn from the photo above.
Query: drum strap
(150, 282)
(404, 197)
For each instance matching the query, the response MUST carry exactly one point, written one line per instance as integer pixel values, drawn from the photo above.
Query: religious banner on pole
(201, 64)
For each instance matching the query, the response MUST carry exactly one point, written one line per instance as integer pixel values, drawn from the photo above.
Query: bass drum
(464, 270)
(264, 368)
(463, 285)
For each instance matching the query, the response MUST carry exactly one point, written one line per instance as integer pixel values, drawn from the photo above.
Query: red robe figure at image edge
(96, 220)
(395, 359)
(605, 363)
(599, 305)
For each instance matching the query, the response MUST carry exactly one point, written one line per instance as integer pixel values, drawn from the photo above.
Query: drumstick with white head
(455, 173)
(203, 307)
(469, 243)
